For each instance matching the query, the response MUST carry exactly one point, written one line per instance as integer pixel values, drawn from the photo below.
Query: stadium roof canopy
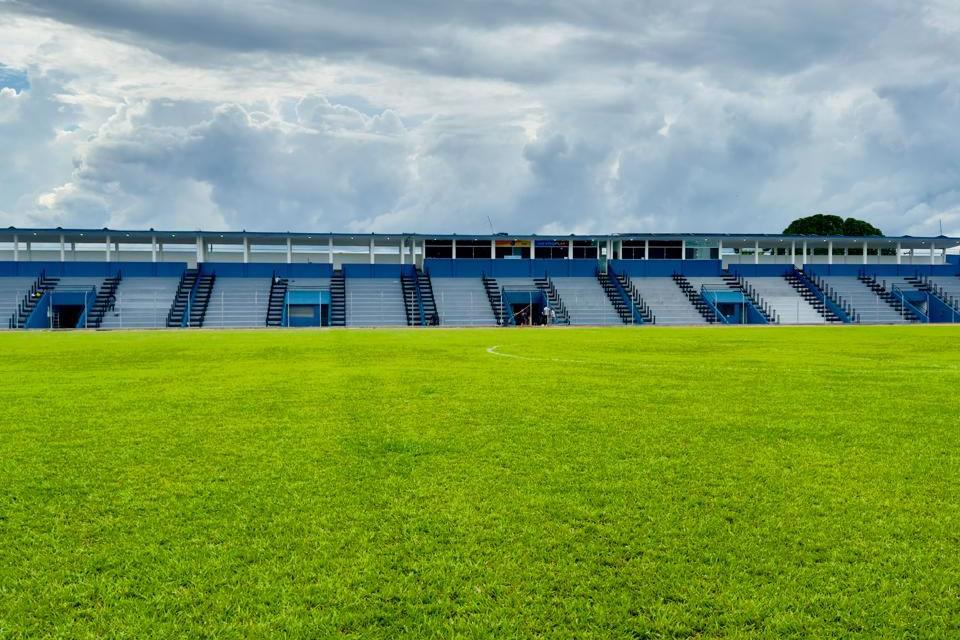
(146, 236)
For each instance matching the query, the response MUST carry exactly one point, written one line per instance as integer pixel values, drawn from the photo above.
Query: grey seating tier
(238, 303)
(79, 283)
(518, 284)
(375, 302)
(710, 283)
(667, 302)
(786, 302)
(142, 303)
(462, 302)
(12, 292)
(586, 302)
(871, 308)
(896, 282)
(308, 283)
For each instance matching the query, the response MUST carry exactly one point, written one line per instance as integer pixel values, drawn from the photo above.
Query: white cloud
(575, 116)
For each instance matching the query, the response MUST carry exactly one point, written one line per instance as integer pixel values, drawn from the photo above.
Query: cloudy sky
(553, 116)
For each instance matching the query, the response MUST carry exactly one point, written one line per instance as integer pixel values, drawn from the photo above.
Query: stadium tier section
(129, 279)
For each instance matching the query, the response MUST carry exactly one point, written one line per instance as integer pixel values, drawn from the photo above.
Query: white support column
(29, 251)
(683, 249)
(804, 260)
(403, 246)
(569, 249)
(864, 252)
(720, 252)
(453, 248)
(16, 248)
(108, 247)
(63, 249)
(793, 253)
(646, 249)
(933, 253)
(160, 251)
(493, 249)
(153, 248)
(289, 250)
(372, 253)
(830, 252)
(911, 256)
(116, 249)
(200, 250)
(756, 252)
(898, 251)
(246, 250)
(330, 249)
(73, 251)
(413, 252)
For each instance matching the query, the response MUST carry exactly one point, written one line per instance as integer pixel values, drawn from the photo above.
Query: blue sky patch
(13, 79)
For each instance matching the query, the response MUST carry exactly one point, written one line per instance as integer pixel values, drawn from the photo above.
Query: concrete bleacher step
(586, 302)
(667, 302)
(374, 302)
(13, 292)
(870, 307)
(141, 303)
(462, 302)
(239, 303)
(786, 301)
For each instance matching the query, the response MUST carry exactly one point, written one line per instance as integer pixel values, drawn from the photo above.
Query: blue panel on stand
(377, 270)
(308, 296)
(92, 269)
(760, 270)
(666, 268)
(266, 269)
(882, 270)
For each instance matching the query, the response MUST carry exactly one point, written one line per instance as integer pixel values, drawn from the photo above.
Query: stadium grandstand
(124, 279)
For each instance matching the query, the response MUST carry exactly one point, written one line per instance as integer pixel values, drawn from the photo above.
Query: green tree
(827, 225)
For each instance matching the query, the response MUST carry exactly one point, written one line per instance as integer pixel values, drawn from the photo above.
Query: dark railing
(831, 299)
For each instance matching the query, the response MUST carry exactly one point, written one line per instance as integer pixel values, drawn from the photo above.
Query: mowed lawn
(721, 482)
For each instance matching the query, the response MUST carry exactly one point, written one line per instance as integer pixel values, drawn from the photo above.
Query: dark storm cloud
(434, 35)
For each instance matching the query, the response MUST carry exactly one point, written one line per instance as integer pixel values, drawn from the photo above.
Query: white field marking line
(493, 350)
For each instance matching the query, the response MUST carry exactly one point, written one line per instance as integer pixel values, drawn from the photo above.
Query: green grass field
(573, 483)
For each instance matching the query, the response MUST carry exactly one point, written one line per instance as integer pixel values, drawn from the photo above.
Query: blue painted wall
(880, 270)
(313, 298)
(938, 311)
(377, 270)
(505, 268)
(666, 268)
(38, 317)
(760, 270)
(465, 268)
(586, 268)
(266, 270)
(93, 269)
(308, 296)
